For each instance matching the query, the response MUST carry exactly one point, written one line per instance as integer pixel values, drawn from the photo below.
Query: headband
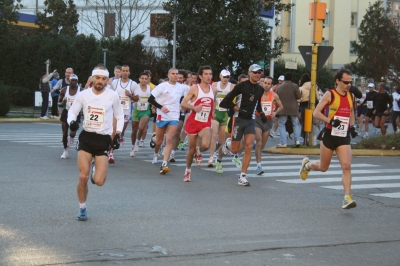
(100, 72)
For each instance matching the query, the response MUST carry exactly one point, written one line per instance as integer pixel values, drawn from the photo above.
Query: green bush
(20, 96)
(4, 101)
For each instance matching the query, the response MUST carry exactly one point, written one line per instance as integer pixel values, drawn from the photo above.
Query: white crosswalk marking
(275, 166)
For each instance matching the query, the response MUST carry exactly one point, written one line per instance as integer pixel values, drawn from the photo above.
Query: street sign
(323, 54)
(290, 65)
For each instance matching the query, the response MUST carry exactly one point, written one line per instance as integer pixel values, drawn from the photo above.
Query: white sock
(164, 163)
(188, 170)
(306, 166)
(82, 205)
(258, 164)
(172, 153)
(242, 174)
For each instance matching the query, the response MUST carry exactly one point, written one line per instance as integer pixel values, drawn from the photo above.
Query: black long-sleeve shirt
(381, 102)
(248, 99)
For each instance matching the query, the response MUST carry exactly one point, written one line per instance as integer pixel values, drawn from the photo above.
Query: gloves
(116, 142)
(264, 119)
(353, 132)
(335, 122)
(73, 126)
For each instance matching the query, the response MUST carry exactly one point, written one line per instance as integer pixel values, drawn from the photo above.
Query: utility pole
(317, 14)
(104, 58)
(174, 37)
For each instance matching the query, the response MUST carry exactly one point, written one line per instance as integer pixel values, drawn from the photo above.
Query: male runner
(140, 113)
(201, 97)
(66, 99)
(248, 94)
(265, 121)
(335, 137)
(127, 90)
(220, 116)
(99, 106)
(166, 97)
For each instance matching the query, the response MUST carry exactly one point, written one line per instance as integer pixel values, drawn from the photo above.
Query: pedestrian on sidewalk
(45, 90)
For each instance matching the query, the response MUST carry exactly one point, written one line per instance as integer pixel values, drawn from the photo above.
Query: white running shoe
(64, 155)
(132, 154)
(155, 160)
(243, 181)
(44, 117)
(141, 143)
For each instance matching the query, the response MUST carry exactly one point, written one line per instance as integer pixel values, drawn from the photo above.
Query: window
(154, 18)
(353, 22)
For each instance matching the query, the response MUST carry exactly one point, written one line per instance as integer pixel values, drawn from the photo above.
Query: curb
(355, 152)
(28, 120)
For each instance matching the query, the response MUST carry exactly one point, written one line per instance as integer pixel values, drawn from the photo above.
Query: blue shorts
(162, 124)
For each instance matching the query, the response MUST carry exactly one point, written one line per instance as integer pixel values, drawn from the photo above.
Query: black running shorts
(332, 142)
(95, 144)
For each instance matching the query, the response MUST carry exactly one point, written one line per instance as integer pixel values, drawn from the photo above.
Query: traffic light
(317, 15)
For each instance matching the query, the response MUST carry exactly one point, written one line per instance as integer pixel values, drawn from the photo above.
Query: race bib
(124, 102)
(142, 104)
(203, 115)
(266, 107)
(69, 103)
(341, 130)
(370, 104)
(94, 117)
(219, 100)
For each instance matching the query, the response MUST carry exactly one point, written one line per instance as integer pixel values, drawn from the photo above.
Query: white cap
(254, 67)
(281, 77)
(73, 76)
(371, 85)
(225, 72)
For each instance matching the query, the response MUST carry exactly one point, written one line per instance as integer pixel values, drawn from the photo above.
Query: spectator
(305, 89)
(54, 96)
(45, 89)
(288, 93)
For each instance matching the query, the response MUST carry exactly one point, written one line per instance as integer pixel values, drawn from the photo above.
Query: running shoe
(237, 162)
(77, 145)
(92, 173)
(136, 148)
(186, 178)
(243, 181)
(141, 143)
(153, 141)
(171, 158)
(210, 162)
(225, 149)
(44, 117)
(303, 170)
(121, 141)
(281, 145)
(199, 159)
(271, 135)
(297, 143)
(259, 170)
(155, 160)
(164, 169)
(82, 216)
(181, 146)
(71, 141)
(348, 202)
(111, 158)
(132, 154)
(64, 155)
(365, 136)
(218, 167)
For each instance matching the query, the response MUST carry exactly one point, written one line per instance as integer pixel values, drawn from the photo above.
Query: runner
(248, 94)
(369, 102)
(335, 137)
(201, 97)
(166, 97)
(67, 97)
(127, 90)
(383, 105)
(220, 116)
(99, 106)
(265, 120)
(140, 114)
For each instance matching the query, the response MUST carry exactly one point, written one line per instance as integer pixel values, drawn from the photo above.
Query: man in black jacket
(247, 95)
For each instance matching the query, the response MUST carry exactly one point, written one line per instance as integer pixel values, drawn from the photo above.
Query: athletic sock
(82, 205)
(164, 163)
(258, 164)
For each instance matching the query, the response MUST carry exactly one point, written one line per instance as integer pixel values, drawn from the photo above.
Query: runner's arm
(73, 112)
(227, 102)
(118, 113)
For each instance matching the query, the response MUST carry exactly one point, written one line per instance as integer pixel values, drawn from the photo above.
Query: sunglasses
(257, 72)
(346, 82)
(226, 77)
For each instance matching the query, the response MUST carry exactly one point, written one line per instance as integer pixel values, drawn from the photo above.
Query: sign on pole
(290, 65)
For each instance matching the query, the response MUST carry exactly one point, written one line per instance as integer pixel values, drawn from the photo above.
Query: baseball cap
(225, 72)
(254, 67)
(281, 77)
(73, 76)
(371, 85)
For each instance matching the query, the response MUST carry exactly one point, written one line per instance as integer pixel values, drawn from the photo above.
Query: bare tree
(129, 15)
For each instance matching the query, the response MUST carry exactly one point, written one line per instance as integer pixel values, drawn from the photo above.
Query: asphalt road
(142, 218)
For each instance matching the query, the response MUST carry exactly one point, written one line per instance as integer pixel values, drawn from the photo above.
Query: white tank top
(143, 104)
(221, 93)
(120, 89)
(70, 98)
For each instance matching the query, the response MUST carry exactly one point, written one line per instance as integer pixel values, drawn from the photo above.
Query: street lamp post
(104, 58)
(174, 38)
